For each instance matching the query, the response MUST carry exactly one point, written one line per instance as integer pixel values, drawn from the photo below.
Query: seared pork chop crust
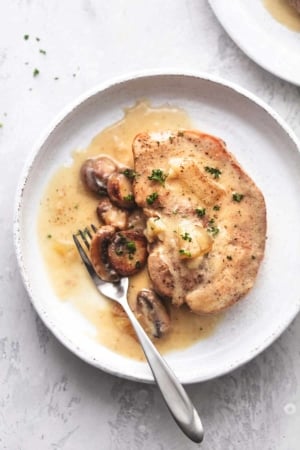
(206, 219)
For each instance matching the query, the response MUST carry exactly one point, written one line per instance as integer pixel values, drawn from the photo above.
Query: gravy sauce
(66, 207)
(284, 13)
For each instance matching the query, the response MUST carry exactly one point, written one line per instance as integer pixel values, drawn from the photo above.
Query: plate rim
(30, 160)
(249, 51)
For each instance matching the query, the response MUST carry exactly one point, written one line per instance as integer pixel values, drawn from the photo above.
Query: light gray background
(49, 399)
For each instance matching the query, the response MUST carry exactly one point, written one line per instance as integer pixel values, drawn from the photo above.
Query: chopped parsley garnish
(43, 52)
(36, 72)
(237, 197)
(213, 171)
(185, 253)
(26, 37)
(128, 198)
(216, 207)
(138, 265)
(37, 39)
(151, 198)
(158, 175)
(200, 212)
(124, 245)
(1, 125)
(131, 247)
(186, 237)
(49, 236)
(212, 228)
(130, 173)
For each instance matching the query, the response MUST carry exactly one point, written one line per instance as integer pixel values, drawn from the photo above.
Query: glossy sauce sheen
(284, 13)
(66, 207)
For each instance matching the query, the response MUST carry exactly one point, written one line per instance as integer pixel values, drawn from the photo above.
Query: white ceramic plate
(268, 151)
(269, 43)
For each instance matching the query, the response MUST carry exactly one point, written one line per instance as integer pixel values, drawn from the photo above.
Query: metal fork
(172, 391)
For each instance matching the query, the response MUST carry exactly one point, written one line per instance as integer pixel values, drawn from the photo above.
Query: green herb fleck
(237, 197)
(1, 125)
(212, 228)
(26, 37)
(213, 171)
(186, 237)
(151, 198)
(131, 247)
(182, 251)
(76, 206)
(43, 52)
(37, 39)
(216, 207)
(130, 173)
(200, 212)
(49, 236)
(158, 175)
(128, 198)
(36, 72)
(138, 265)
(171, 139)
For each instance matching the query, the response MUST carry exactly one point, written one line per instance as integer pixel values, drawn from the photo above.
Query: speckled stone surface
(49, 399)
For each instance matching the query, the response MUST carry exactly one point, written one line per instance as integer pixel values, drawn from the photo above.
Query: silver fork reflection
(175, 396)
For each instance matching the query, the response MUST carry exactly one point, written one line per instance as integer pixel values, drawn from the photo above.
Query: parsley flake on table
(26, 37)
(36, 72)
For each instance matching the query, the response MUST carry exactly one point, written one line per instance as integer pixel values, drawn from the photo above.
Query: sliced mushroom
(99, 254)
(152, 313)
(120, 191)
(127, 252)
(111, 214)
(95, 171)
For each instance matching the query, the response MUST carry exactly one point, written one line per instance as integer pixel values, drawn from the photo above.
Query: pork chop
(295, 4)
(206, 219)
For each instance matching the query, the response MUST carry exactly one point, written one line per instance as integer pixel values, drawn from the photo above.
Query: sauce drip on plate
(284, 13)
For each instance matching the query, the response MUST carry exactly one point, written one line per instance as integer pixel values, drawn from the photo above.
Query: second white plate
(270, 44)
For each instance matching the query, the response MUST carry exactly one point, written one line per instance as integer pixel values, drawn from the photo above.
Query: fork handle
(172, 391)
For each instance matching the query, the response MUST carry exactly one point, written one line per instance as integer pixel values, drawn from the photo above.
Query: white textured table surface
(49, 399)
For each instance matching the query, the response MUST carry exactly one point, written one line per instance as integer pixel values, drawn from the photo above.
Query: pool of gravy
(66, 207)
(284, 13)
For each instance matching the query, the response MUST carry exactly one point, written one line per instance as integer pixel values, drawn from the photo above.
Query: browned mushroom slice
(111, 214)
(94, 173)
(127, 252)
(152, 313)
(119, 189)
(99, 254)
